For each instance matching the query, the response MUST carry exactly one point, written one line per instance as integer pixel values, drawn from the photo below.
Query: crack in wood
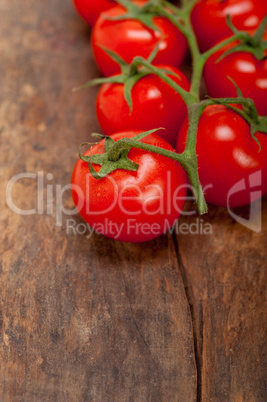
(197, 332)
(135, 323)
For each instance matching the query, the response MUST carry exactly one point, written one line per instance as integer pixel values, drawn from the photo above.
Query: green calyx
(130, 74)
(248, 112)
(254, 44)
(112, 159)
(116, 157)
(144, 14)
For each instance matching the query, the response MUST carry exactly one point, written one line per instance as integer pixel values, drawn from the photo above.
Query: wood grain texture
(80, 319)
(225, 277)
(85, 319)
(94, 321)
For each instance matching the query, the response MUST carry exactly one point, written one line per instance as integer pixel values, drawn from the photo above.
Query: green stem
(220, 45)
(188, 160)
(173, 18)
(194, 113)
(195, 53)
(198, 59)
(186, 96)
(187, 29)
(183, 3)
(127, 143)
(171, 6)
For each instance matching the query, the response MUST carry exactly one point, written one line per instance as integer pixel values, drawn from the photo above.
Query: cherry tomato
(232, 171)
(155, 104)
(90, 10)
(247, 72)
(131, 206)
(209, 18)
(130, 38)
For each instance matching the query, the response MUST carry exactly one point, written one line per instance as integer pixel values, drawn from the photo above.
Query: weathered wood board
(84, 318)
(225, 279)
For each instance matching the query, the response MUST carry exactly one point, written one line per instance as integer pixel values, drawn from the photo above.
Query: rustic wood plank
(93, 320)
(225, 277)
(80, 318)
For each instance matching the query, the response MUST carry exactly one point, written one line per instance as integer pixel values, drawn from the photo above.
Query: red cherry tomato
(131, 206)
(155, 104)
(232, 171)
(90, 10)
(130, 38)
(247, 72)
(209, 18)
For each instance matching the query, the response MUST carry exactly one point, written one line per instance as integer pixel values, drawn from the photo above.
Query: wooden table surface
(181, 318)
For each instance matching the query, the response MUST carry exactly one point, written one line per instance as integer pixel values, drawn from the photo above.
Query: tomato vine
(116, 153)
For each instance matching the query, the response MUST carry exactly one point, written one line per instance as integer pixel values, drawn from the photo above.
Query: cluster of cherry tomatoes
(141, 205)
